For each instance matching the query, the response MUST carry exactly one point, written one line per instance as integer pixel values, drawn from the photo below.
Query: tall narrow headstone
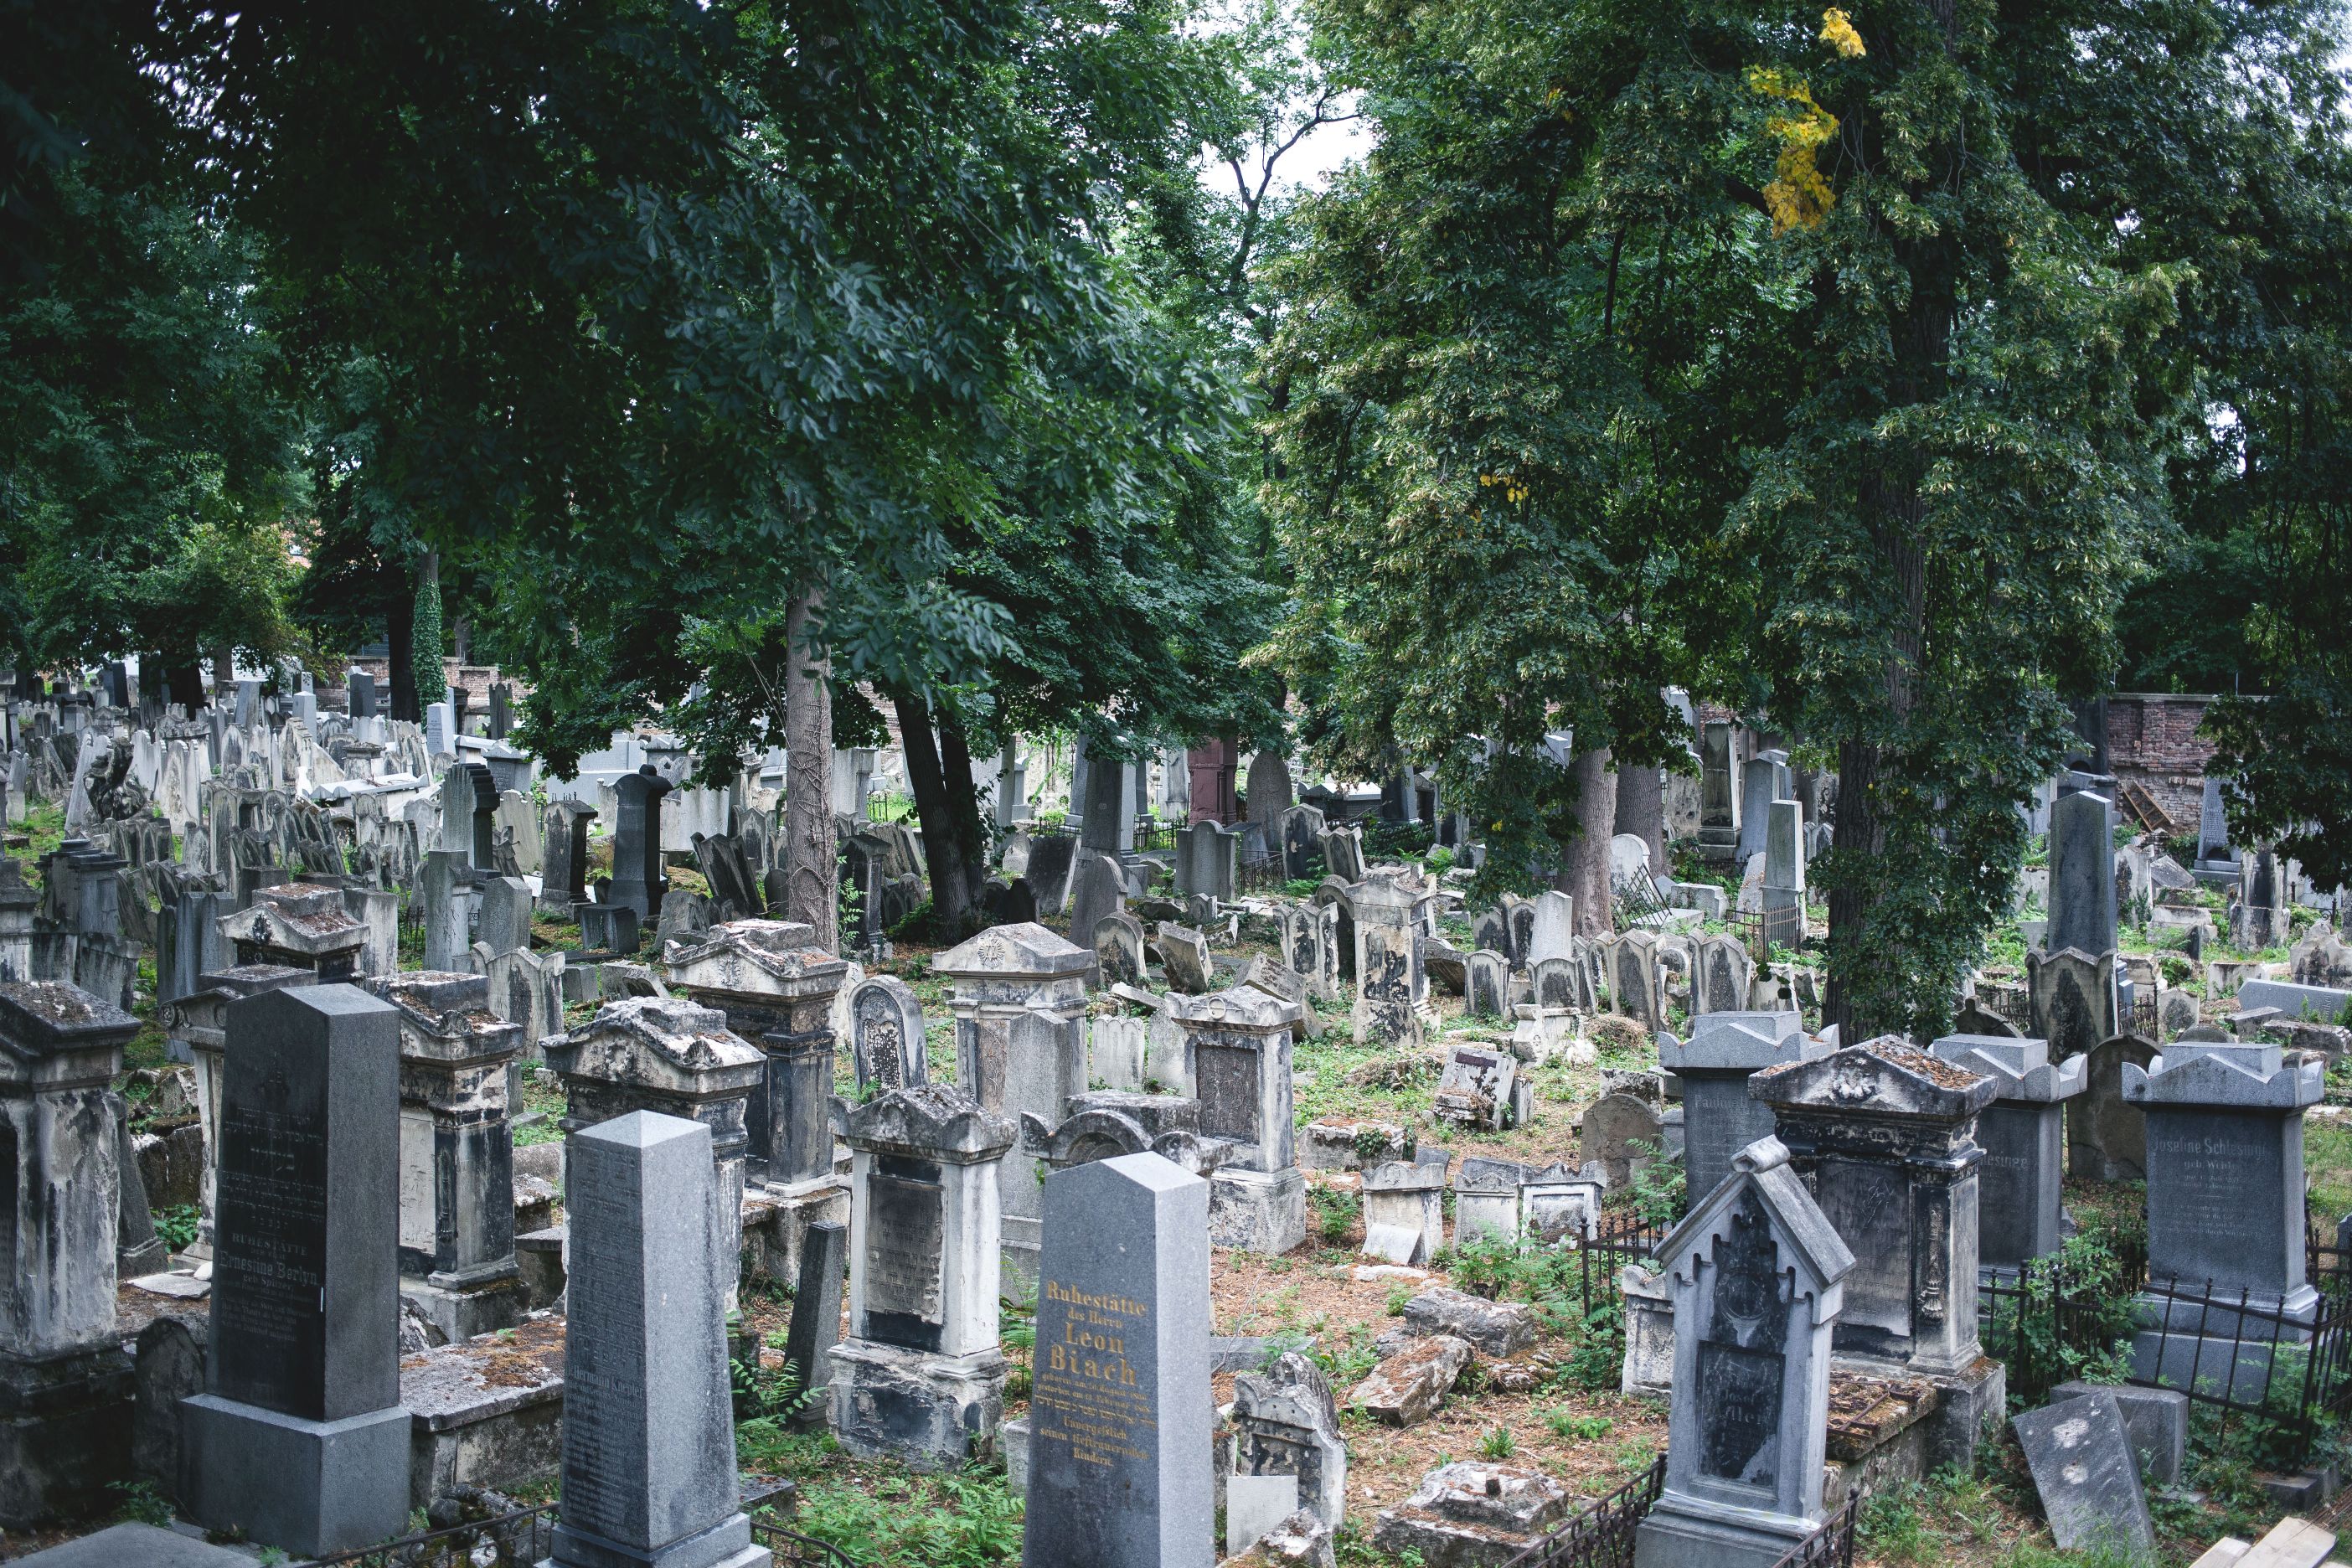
(1764, 780)
(815, 1325)
(1784, 872)
(637, 879)
(2023, 1136)
(1719, 791)
(1120, 1410)
(564, 878)
(648, 1428)
(300, 1439)
(2082, 875)
(1389, 985)
(1719, 1116)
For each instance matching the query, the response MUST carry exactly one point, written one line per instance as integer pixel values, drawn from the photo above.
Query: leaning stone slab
(1408, 1387)
(1494, 1328)
(2083, 1468)
(2156, 1424)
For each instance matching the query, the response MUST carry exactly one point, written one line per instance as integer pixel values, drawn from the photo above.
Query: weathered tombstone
(2072, 996)
(1620, 1134)
(1765, 779)
(2018, 1190)
(1184, 959)
(2087, 1478)
(1301, 830)
(887, 1035)
(1885, 1136)
(1474, 1091)
(1719, 1116)
(1208, 860)
(1050, 861)
(1405, 1211)
(1119, 950)
(446, 887)
(669, 1055)
(1636, 991)
(2225, 1211)
(505, 925)
(1521, 915)
(1099, 888)
(1490, 989)
(2082, 875)
(1722, 981)
(815, 1325)
(456, 1153)
(301, 926)
(649, 1425)
(1557, 1204)
(65, 1383)
(1343, 853)
(921, 1376)
(1389, 985)
(609, 929)
(1718, 793)
(1237, 1045)
(2106, 1136)
(1121, 1412)
(1552, 931)
(563, 876)
(1285, 1422)
(378, 912)
(300, 1441)
(685, 917)
(1269, 789)
(1757, 1274)
(1491, 930)
(1784, 872)
(2259, 920)
(1020, 1003)
(1486, 1199)
(637, 879)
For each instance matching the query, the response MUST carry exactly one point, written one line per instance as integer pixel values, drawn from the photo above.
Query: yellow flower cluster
(1798, 195)
(1513, 491)
(1837, 32)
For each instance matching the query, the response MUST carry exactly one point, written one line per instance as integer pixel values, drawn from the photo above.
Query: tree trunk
(946, 856)
(224, 673)
(399, 627)
(1641, 811)
(1585, 877)
(963, 804)
(1861, 834)
(812, 860)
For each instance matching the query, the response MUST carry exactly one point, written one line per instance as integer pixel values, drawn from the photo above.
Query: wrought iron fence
(1831, 1546)
(799, 1551)
(1620, 1239)
(1264, 874)
(1155, 837)
(1635, 902)
(1603, 1535)
(527, 1536)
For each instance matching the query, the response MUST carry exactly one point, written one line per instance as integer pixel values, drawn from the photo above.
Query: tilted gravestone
(1122, 1402)
(1119, 950)
(2087, 1478)
(1285, 1422)
(300, 1439)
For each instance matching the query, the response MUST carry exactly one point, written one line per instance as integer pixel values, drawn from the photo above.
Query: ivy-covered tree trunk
(812, 865)
(950, 854)
(425, 635)
(1585, 874)
(224, 672)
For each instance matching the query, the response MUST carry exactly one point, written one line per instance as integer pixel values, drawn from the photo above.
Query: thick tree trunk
(1585, 876)
(947, 856)
(812, 860)
(1860, 832)
(224, 673)
(1642, 810)
(963, 804)
(399, 625)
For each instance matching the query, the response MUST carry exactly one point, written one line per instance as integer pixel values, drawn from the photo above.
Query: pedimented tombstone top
(1887, 1077)
(2231, 1074)
(663, 1042)
(1024, 951)
(2020, 1067)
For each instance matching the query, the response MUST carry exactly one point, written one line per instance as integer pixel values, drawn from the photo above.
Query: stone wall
(2152, 742)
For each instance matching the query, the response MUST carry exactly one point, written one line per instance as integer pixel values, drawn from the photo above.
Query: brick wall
(2152, 742)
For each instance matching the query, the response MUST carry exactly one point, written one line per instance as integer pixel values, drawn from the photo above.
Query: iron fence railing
(1831, 1546)
(1620, 1239)
(526, 1537)
(1264, 874)
(1603, 1535)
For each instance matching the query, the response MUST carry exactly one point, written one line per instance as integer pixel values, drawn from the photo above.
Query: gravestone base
(306, 1486)
(1020, 1248)
(1258, 1211)
(490, 1414)
(773, 1238)
(1968, 1405)
(461, 1311)
(1719, 845)
(727, 1545)
(65, 1433)
(2199, 1345)
(932, 1413)
(1686, 1532)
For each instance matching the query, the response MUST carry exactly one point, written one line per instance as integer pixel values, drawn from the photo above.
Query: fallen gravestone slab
(1494, 1328)
(2083, 1469)
(1408, 1387)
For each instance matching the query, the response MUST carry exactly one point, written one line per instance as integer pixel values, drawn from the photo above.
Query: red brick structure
(2157, 756)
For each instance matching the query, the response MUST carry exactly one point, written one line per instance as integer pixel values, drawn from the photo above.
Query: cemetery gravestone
(1551, 932)
(815, 1325)
(1237, 1046)
(1301, 830)
(2082, 875)
(1389, 985)
(1184, 959)
(1119, 950)
(637, 879)
(1722, 981)
(2088, 1480)
(1764, 780)
(649, 1425)
(1488, 993)
(2073, 1000)
(1718, 793)
(300, 1439)
(2018, 1192)
(1474, 1089)
(1121, 1405)
(564, 851)
(1620, 1134)
(1285, 1422)
(1719, 1116)
(887, 1035)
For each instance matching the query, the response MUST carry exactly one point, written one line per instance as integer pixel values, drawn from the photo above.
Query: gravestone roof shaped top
(447, 1013)
(298, 917)
(928, 1119)
(1026, 949)
(664, 1037)
(1885, 1077)
(1291, 1390)
(2021, 1065)
(1732, 1041)
(749, 955)
(54, 1034)
(1239, 1007)
(1763, 1168)
(2227, 1073)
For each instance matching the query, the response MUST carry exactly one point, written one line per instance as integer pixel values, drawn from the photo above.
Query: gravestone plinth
(1885, 1136)
(2225, 1210)
(921, 1376)
(672, 1055)
(457, 1152)
(564, 864)
(1121, 1413)
(2023, 1136)
(1757, 1273)
(65, 1383)
(300, 1441)
(1019, 1002)
(201, 1018)
(1726, 1049)
(1237, 1050)
(649, 1425)
(300, 926)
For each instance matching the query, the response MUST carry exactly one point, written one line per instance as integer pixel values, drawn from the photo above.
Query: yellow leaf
(1837, 32)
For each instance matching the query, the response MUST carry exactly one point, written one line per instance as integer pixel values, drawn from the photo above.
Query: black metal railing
(1603, 1535)
(1636, 903)
(1265, 874)
(527, 1537)
(1831, 1546)
(1620, 1239)
(1155, 837)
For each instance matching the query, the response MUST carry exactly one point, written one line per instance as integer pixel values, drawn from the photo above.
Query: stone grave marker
(1489, 988)
(1551, 933)
(1285, 1422)
(2106, 1135)
(2072, 996)
(1719, 1116)
(2085, 1473)
(1405, 1211)
(1474, 1089)
(1120, 1411)
(1184, 959)
(887, 1035)
(1237, 1044)
(1486, 1198)
(2018, 1214)
(1560, 985)
(1556, 1203)
(1613, 1125)
(815, 1325)
(1722, 978)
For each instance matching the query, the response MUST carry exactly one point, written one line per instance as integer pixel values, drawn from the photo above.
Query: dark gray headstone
(648, 1428)
(1121, 1413)
(2083, 1469)
(815, 1326)
(2082, 875)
